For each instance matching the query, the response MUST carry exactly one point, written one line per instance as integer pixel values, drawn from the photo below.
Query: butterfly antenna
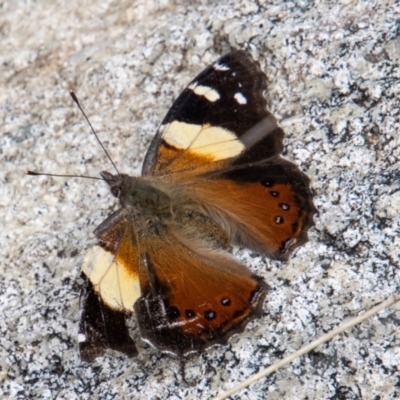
(35, 173)
(75, 99)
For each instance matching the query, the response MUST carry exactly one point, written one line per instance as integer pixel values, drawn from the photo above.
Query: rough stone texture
(334, 85)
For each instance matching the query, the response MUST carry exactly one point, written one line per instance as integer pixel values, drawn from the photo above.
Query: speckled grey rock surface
(334, 85)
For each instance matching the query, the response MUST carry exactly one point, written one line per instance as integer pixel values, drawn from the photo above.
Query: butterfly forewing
(112, 287)
(101, 327)
(207, 121)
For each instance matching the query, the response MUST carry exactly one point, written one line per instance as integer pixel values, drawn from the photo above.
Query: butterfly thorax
(139, 193)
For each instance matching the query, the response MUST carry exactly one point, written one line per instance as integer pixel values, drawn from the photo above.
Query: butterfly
(212, 177)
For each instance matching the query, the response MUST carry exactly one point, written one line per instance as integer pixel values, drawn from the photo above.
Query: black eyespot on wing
(285, 207)
(267, 182)
(210, 315)
(190, 314)
(173, 312)
(226, 301)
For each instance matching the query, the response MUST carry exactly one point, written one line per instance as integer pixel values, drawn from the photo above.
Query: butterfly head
(140, 193)
(116, 182)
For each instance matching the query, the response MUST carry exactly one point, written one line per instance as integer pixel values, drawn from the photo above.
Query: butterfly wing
(112, 287)
(192, 299)
(222, 145)
(221, 115)
(266, 206)
(190, 295)
(101, 327)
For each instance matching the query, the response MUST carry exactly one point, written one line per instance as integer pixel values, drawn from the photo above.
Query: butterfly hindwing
(190, 299)
(266, 207)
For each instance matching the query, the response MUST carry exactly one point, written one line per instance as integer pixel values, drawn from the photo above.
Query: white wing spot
(220, 67)
(209, 93)
(240, 98)
(81, 338)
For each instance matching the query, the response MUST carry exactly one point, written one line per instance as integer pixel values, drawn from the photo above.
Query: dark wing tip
(101, 328)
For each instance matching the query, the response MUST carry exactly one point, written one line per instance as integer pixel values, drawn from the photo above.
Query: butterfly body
(212, 178)
(144, 194)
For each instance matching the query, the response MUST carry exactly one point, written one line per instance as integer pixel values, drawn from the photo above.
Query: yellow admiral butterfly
(212, 177)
